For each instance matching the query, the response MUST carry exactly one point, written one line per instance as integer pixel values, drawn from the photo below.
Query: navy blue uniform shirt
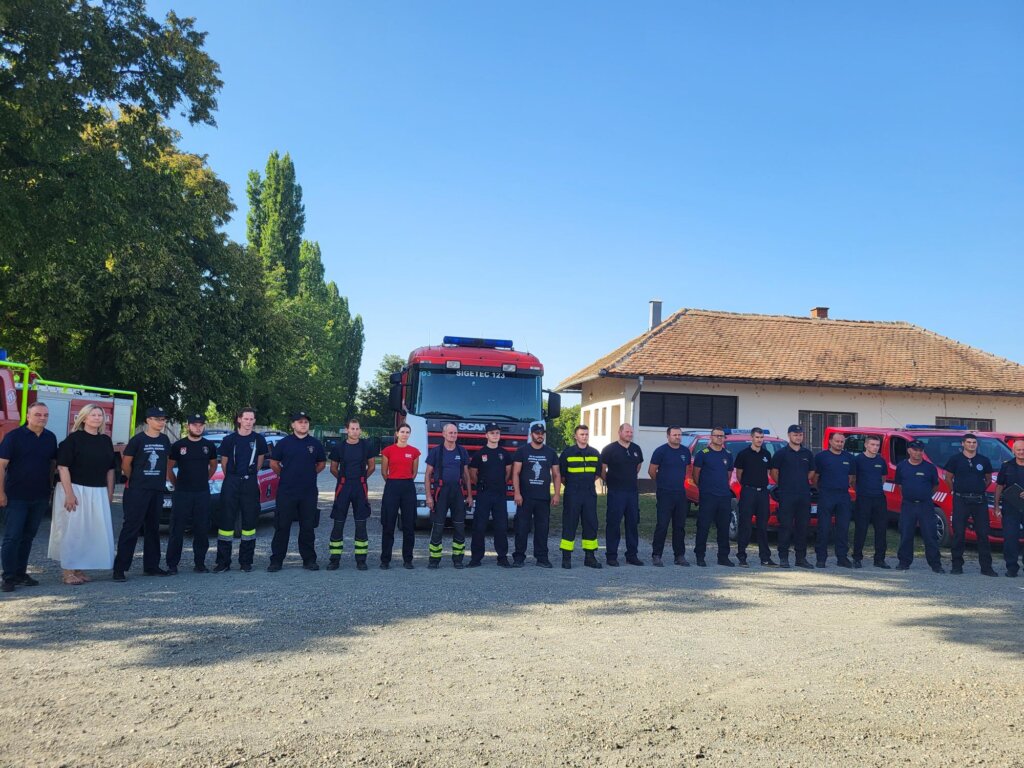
(917, 480)
(715, 470)
(672, 464)
(793, 467)
(1011, 473)
(969, 475)
(298, 457)
(755, 466)
(192, 460)
(834, 470)
(149, 461)
(241, 452)
(451, 463)
(622, 465)
(352, 458)
(29, 456)
(870, 475)
(490, 464)
(535, 474)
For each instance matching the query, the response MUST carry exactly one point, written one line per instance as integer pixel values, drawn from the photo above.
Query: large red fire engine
(469, 382)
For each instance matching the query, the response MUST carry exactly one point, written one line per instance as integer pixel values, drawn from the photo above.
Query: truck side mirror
(554, 405)
(395, 397)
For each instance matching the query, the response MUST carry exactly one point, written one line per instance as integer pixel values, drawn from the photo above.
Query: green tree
(313, 354)
(561, 429)
(374, 410)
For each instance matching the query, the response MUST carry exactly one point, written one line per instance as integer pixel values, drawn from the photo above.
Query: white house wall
(776, 407)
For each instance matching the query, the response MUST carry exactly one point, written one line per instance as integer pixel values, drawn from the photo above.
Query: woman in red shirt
(399, 464)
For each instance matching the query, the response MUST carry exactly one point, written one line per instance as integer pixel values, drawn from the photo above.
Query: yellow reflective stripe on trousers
(336, 547)
(435, 548)
(248, 534)
(589, 544)
(225, 535)
(361, 547)
(567, 546)
(457, 548)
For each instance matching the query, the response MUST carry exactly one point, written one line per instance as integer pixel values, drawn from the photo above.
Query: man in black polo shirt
(490, 470)
(145, 465)
(968, 474)
(297, 459)
(352, 461)
(833, 473)
(28, 459)
(870, 470)
(1009, 504)
(791, 471)
(534, 469)
(752, 466)
(195, 459)
(620, 465)
(241, 459)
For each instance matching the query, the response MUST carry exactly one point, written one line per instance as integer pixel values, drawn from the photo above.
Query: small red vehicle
(735, 441)
(940, 443)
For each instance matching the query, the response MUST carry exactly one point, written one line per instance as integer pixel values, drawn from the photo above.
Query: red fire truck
(469, 382)
(939, 444)
(20, 387)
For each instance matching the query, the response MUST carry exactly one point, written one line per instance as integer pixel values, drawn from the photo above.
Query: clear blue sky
(539, 170)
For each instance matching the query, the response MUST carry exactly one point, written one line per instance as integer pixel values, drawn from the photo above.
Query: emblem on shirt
(536, 471)
(310, 448)
(206, 450)
(484, 457)
(764, 459)
(978, 467)
(184, 450)
(152, 462)
(725, 461)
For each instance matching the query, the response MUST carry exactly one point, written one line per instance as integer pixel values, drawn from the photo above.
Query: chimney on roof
(655, 317)
(820, 313)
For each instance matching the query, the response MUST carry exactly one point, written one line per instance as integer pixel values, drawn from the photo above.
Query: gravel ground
(628, 666)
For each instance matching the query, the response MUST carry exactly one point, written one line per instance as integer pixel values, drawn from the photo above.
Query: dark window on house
(972, 425)
(815, 422)
(661, 409)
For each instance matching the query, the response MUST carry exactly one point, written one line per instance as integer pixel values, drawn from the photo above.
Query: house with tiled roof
(701, 368)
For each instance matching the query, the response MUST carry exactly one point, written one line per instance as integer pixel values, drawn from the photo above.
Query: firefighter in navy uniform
(968, 474)
(352, 461)
(241, 457)
(1011, 508)
(580, 465)
(297, 459)
(195, 459)
(447, 480)
(490, 470)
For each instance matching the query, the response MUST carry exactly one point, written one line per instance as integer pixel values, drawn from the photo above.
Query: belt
(241, 477)
(755, 487)
(970, 496)
(918, 501)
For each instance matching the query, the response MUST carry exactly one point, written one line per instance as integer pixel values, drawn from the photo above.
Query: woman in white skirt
(81, 534)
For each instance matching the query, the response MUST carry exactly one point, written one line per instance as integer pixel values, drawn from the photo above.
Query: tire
(944, 536)
(734, 521)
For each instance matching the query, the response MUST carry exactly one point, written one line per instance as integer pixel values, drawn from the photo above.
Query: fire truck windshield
(941, 447)
(478, 394)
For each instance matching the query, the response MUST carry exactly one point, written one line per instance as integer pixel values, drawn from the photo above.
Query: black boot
(590, 559)
(334, 563)
(566, 559)
(360, 562)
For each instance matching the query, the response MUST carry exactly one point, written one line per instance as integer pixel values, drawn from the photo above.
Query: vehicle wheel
(734, 521)
(942, 529)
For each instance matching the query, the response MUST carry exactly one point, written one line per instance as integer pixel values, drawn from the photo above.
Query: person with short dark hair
(241, 459)
(712, 470)
(870, 470)
(620, 465)
(490, 470)
(145, 465)
(918, 480)
(534, 471)
(792, 468)
(352, 461)
(191, 464)
(448, 485)
(28, 458)
(834, 471)
(579, 466)
(399, 464)
(753, 464)
(1009, 505)
(968, 474)
(669, 465)
(297, 459)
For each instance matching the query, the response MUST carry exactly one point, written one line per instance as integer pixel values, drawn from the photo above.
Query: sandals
(81, 575)
(71, 578)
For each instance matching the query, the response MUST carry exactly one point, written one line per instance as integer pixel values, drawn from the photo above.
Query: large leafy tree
(312, 355)
(374, 410)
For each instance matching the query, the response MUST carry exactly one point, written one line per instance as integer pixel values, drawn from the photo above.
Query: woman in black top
(81, 533)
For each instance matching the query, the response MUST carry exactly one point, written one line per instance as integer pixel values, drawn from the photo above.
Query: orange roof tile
(704, 345)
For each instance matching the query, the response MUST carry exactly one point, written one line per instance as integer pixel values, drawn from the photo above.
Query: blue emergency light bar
(744, 431)
(3, 354)
(958, 427)
(468, 341)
